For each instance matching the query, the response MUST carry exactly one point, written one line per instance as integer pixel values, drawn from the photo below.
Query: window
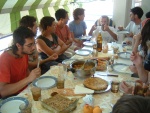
(138, 2)
(94, 9)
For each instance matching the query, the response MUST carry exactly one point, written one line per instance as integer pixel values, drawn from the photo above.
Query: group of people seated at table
(18, 64)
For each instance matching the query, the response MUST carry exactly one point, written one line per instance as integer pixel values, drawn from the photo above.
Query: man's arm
(7, 89)
(91, 30)
(33, 64)
(143, 74)
(63, 46)
(137, 60)
(110, 32)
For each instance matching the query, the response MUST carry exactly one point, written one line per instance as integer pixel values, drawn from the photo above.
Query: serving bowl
(85, 71)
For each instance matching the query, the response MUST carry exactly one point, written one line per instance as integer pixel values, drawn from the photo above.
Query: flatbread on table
(95, 83)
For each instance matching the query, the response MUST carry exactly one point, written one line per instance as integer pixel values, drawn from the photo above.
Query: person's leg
(46, 66)
(61, 58)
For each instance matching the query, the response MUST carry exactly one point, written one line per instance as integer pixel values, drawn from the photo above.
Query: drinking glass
(61, 76)
(36, 93)
(25, 108)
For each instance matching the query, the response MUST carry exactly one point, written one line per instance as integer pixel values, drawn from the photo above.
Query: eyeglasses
(30, 45)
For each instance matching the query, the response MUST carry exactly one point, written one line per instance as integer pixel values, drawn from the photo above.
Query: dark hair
(60, 13)
(45, 22)
(132, 104)
(145, 33)
(19, 36)
(27, 21)
(77, 12)
(147, 14)
(137, 11)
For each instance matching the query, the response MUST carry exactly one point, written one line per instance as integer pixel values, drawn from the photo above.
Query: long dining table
(105, 100)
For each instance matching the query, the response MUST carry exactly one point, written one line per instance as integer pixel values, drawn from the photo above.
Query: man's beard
(28, 53)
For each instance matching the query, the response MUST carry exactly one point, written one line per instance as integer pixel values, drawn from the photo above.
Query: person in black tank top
(48, 43)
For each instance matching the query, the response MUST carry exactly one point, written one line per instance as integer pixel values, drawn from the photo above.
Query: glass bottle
(99, 42)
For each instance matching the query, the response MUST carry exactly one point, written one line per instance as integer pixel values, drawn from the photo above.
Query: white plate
(83, 52)
(85, 37)
(88, 44)
(108, 88)
(123, 32)
(11, 105)
(68, 61)
(45, 82)
(121, 68)
(124, 55)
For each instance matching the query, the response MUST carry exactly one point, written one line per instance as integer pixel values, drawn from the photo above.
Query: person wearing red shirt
(14, 73)
(62, 30)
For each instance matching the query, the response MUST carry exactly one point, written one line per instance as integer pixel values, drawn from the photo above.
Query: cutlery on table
(39, 58)
(112, 75)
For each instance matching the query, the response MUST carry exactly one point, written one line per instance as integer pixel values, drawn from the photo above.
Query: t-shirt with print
(77, 29)
(63, 33)
(51, 44)
(13, 69)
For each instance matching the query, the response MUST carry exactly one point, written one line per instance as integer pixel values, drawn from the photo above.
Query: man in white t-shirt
(108, 33)
(134, 27)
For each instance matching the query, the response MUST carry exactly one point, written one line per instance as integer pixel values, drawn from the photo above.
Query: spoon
(83, 64)
(39, 58)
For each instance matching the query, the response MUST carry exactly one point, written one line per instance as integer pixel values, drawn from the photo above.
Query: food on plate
(97, 109)
(116, 56)
(95, 83)
(87, 109)
(101, 65)
(66, 92)
(128, 42)
(59, 103)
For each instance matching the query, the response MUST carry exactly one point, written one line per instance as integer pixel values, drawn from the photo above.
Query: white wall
(121, 12)
(145, 7)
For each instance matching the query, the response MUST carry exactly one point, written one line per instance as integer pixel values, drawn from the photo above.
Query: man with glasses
(30, 22)
(14, 73)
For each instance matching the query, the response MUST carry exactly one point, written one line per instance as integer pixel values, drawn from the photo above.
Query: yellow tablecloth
(103, 100)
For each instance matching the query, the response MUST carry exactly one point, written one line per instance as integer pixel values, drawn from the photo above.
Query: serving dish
(84, 72)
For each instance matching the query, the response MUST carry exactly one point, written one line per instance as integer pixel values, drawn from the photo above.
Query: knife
(112, 75)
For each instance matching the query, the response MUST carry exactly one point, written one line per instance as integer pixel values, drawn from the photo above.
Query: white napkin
(82, 90)
(88, 99)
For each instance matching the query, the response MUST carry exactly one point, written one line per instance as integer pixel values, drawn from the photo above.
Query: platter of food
(97, 84)
(59, 104)
(101, 65)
